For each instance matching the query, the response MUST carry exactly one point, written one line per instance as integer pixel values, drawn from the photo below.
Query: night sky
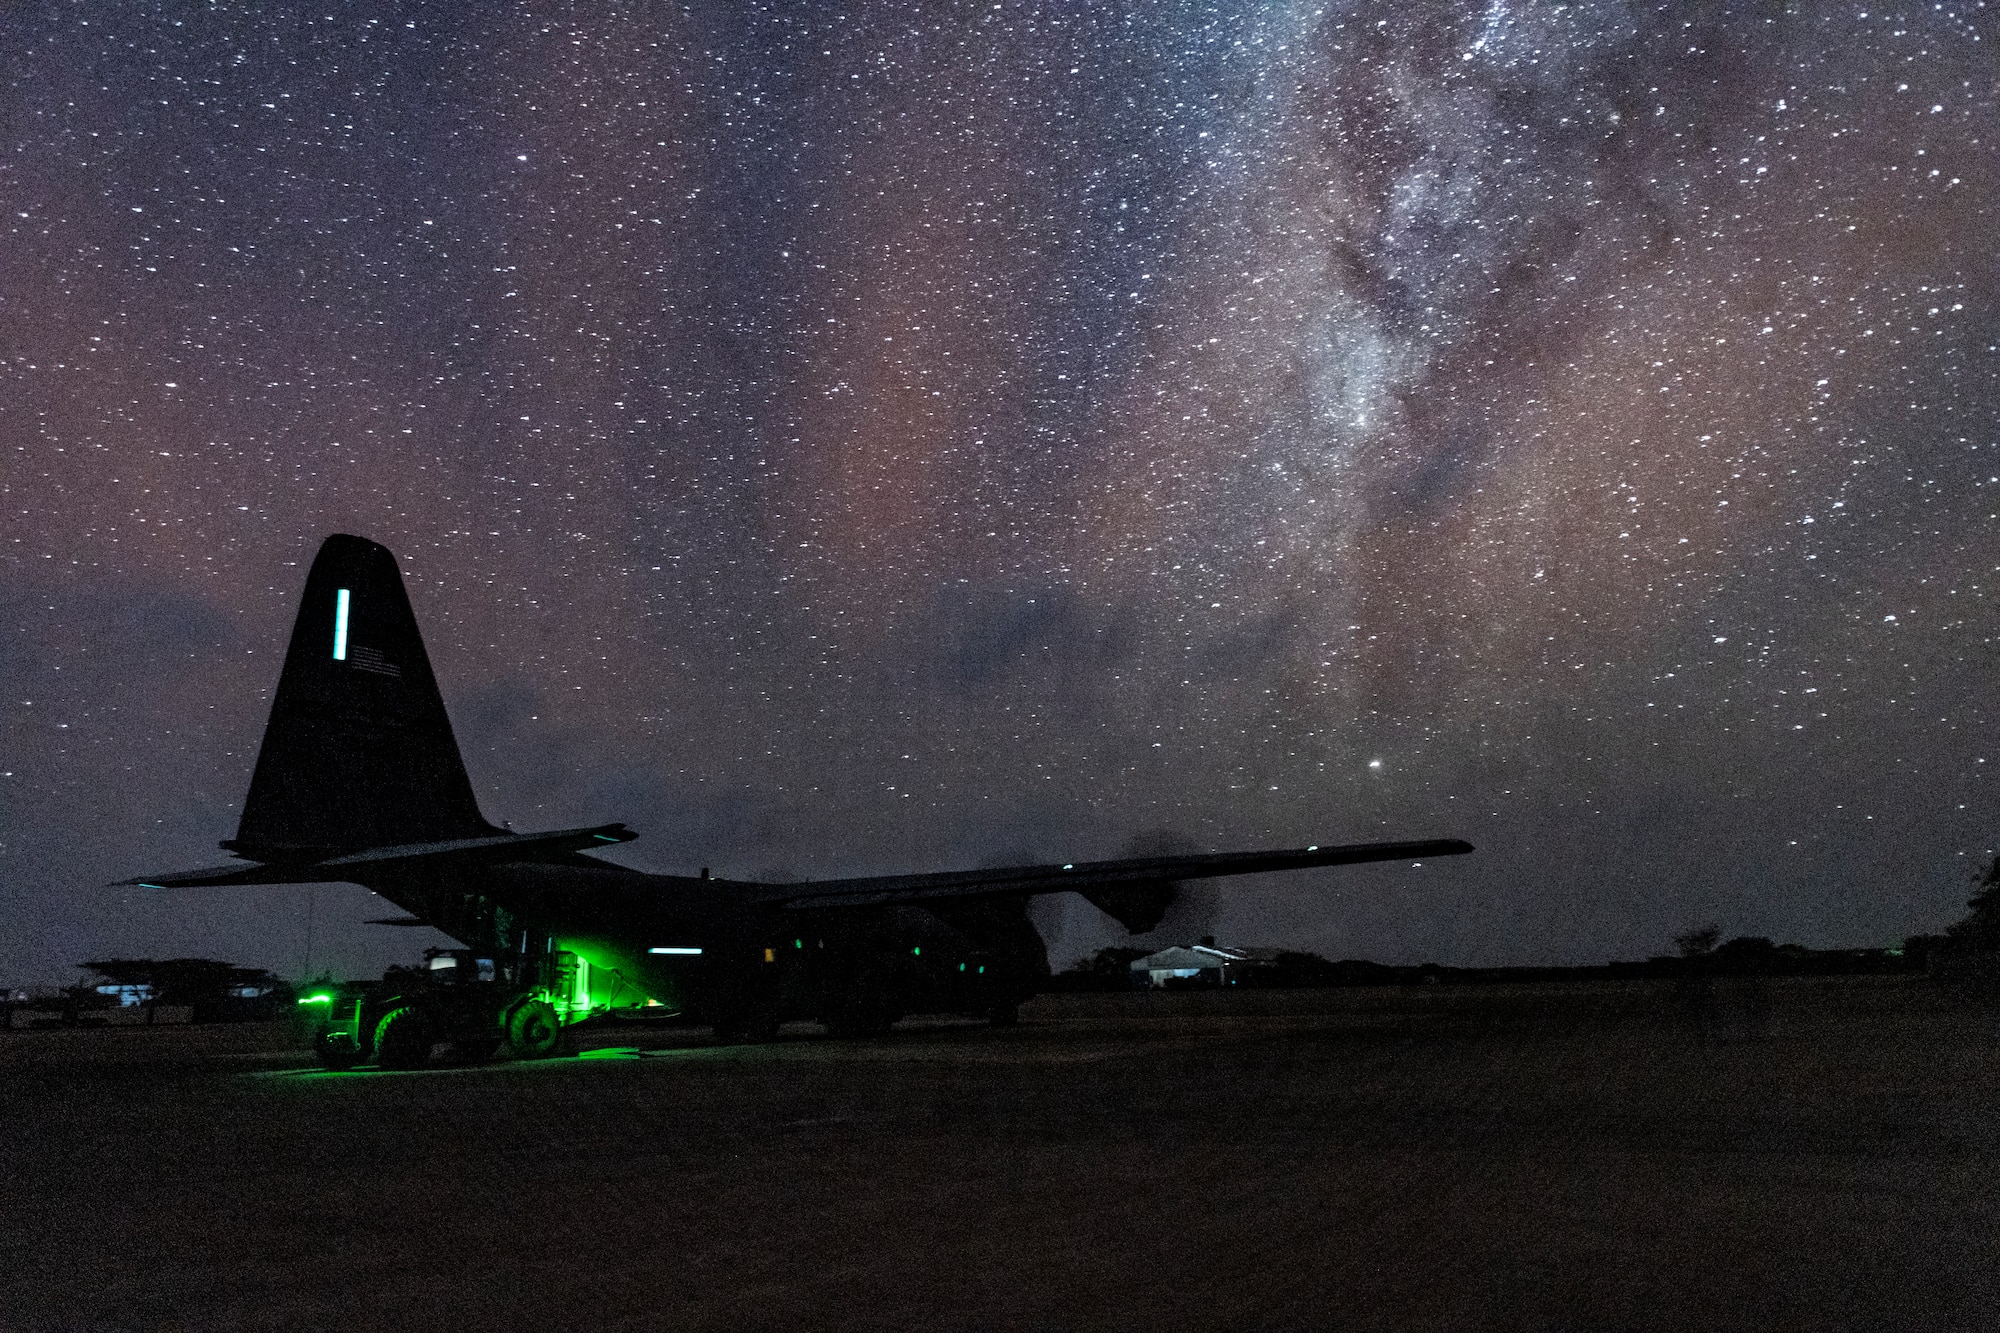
(913, 437)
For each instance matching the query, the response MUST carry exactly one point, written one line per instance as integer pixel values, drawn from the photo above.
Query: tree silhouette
(1698, 942)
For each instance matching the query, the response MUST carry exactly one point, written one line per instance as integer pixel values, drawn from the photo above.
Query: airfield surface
(1792, 1154)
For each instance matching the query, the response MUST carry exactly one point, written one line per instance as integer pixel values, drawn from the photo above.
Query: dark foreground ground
(1814, 1154)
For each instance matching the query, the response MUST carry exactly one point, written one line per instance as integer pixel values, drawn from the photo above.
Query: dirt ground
(1793, 1154)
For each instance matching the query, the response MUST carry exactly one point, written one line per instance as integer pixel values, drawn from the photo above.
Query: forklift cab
(458, 967)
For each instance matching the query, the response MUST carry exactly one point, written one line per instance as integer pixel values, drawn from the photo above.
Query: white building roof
(1202, 957)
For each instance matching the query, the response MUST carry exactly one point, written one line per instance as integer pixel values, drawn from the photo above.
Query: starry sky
(877, 438)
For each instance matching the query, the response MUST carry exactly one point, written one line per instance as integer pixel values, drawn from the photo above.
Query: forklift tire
(533, 1030)
(336, 1051)
(403, 1040)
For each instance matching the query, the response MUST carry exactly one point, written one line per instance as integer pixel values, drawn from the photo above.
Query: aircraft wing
(1085, 876)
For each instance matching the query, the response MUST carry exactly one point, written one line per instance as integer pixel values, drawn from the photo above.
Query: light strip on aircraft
(679, 951)
(340, 626)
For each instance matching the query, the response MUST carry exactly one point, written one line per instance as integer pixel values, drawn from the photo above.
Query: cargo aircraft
(360, 779)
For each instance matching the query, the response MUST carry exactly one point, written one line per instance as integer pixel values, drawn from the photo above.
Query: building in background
(1202, 965)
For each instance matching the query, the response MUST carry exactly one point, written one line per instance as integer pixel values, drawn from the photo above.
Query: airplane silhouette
(360, 779)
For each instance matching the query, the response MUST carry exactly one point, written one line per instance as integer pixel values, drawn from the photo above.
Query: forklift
(470, 1005)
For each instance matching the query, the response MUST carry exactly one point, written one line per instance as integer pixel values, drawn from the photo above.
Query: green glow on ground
(317, 999)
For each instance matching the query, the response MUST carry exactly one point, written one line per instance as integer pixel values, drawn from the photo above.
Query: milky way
(916, 437)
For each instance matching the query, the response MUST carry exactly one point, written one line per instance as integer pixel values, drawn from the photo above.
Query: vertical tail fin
(358, 752)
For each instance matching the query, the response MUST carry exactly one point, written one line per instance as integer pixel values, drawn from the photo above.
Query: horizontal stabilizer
(360, 866)
(499, 847)
(1084, 875)
(238, 872)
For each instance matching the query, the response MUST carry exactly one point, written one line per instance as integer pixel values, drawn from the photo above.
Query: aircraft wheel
(533, 1030)
(336, 1051)
(403, 1040)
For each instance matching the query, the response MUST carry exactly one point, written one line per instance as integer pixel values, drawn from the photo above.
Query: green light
(798, 944)
(603, 837)
(961, 967)
(917, 950)
(317, 999)
(340, 625)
